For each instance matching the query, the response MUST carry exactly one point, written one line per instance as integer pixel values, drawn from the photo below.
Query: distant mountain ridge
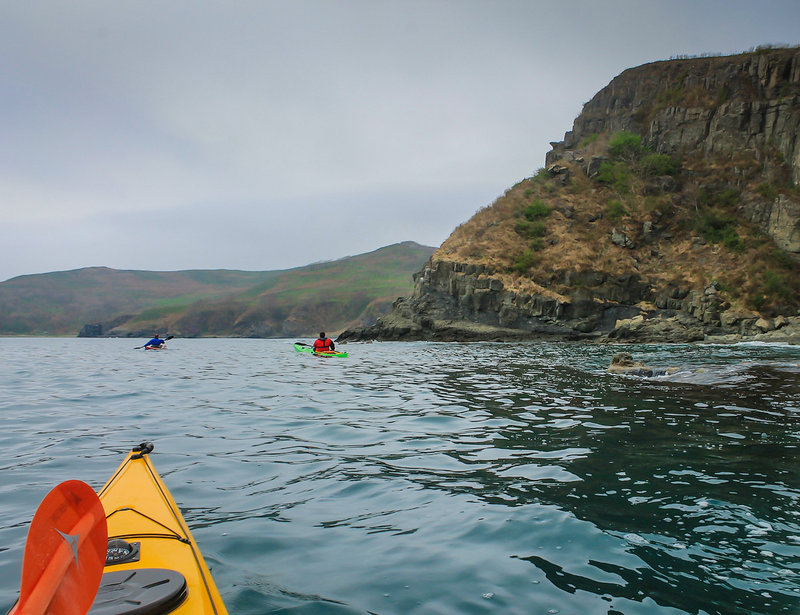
(299, 301)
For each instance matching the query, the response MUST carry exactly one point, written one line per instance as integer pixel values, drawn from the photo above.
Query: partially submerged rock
(623, 363)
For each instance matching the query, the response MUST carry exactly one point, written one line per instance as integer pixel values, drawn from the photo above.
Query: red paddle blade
(64, 554)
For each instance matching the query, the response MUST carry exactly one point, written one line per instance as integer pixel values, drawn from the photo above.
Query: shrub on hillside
(616, 175)
(726, 199)
(625, 145)
(756, 301)
(531, 229)
(541, 175)
(663, 205)
(782, 258)
(775, 284)
(524, 262)
(775, 293)
(615, 210)
(719, 227)
(629, 159)
(768, 191)
(660, 164)
(723, 94)
(537, 209)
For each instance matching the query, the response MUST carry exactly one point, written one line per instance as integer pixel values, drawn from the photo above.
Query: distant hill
(331, 295)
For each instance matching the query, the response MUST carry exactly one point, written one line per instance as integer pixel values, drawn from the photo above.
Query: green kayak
(306, 348)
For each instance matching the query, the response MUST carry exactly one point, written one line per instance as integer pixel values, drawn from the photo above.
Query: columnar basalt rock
(720, 107)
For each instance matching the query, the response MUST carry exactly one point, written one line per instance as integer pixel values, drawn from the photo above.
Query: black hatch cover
(147, 591)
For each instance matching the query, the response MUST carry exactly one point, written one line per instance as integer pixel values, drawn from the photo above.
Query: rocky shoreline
(456, 303)
(671, 330)
(677, 329)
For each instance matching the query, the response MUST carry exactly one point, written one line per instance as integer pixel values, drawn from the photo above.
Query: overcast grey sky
(269, 134)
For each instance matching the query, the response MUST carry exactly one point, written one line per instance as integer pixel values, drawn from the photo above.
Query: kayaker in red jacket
(324, 344)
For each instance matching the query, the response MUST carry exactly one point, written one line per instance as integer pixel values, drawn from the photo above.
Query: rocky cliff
(670, 212)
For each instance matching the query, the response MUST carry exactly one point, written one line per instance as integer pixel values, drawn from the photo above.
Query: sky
(270, 134)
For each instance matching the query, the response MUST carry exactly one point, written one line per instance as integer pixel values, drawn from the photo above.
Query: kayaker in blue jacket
(156, 342)
(324, 344)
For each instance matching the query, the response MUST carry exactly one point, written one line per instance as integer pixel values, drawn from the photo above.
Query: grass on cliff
(681, 215)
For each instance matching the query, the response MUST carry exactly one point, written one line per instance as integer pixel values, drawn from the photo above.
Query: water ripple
(479, 478)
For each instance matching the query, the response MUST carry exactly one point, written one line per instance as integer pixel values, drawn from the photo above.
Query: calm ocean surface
(422, 478)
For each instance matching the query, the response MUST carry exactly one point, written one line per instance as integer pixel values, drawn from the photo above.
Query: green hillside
(297, 301)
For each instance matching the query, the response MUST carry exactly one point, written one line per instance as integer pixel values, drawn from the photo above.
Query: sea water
(429, 478)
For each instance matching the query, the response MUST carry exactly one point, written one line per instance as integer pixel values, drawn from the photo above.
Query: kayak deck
(147, 534)
(310, 350)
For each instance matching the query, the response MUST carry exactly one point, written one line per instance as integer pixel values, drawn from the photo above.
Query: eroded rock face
(715, 105)
(725, 108)
(456, 301)
(91, 330)
(453, 301)
(674, 329)
(783, 223)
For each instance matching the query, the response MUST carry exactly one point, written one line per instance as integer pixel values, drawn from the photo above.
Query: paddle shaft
(315, 351)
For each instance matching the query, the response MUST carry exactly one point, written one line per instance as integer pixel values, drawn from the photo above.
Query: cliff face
(669, 212)
(743, 111)
(723, 106)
